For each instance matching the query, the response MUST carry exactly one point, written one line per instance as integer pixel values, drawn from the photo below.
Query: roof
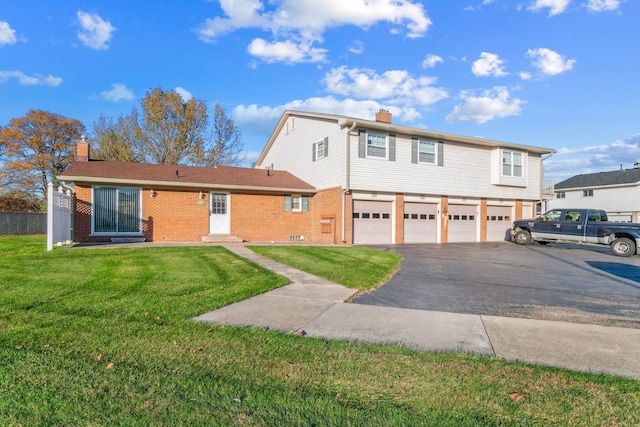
(600, 179)
(348, 122)
(220, 177)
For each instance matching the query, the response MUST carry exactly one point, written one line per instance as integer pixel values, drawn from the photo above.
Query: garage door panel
(420, 223)
(371, 222)
(462, 223)
(498, 222)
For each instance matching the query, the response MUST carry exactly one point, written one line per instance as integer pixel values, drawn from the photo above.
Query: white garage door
(371, 222)
(617, 217)
(420, 225)
(498, 222)
(462, 223)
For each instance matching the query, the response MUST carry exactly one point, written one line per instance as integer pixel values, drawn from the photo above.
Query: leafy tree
(170, 130)
(116, 141)
(17, 202)
(38, 147)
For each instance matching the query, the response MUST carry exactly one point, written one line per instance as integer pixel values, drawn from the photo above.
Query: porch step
(221, 238)
(127, 239)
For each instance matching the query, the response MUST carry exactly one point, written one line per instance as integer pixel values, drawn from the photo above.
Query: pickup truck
(581, 226)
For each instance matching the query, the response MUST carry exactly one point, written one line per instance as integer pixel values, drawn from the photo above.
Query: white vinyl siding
(290, 152)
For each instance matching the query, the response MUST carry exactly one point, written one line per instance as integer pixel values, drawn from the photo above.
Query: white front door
(219, 216)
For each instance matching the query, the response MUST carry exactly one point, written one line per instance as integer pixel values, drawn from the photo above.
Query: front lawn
(103, 337)
(354, 267)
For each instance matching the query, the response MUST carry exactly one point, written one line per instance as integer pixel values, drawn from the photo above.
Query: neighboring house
(617, 192)
(118, 201)
(381, 183)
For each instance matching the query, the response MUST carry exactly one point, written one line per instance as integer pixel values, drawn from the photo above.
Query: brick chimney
(383, 116)
(82, 150)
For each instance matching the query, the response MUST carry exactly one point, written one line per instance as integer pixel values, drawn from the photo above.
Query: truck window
(572, 216)
(552, 216)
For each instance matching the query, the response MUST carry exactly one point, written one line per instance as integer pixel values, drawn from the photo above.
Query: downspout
(542, 159)
(347, 183)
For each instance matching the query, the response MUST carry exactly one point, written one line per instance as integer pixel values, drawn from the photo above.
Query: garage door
(420, 225)
(498, 222)
(619, 217)
(462, 223)
(371, 222)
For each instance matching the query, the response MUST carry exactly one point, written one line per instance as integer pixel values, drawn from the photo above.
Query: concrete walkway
(315, 308)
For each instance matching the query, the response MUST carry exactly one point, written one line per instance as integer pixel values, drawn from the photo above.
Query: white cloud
(7, 34)
(25, 80)
(394, 87)
(184, 94)
(430, 61)
(356, 47)
(261, 120)
(550, 63)
(304, 22)
(525, 75)
(568, 162)
(555, 7)
(492, 104)
(489, 64)
(118, 92)
(94, 32)
(602, 5)
(286, 51)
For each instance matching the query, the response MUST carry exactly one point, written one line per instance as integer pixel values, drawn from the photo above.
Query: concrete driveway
(573, 283)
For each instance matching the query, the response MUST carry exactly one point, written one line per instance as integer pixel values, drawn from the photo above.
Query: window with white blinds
(116, 210)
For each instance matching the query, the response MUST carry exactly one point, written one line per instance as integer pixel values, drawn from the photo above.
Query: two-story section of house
(617, 192)
(380, 183)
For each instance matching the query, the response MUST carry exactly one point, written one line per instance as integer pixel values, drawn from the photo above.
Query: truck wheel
(522, 237)
(623, 246)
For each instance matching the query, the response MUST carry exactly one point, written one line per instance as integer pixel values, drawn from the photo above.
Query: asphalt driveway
(575, 283)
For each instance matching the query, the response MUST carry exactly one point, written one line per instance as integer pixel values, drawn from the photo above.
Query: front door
(219, 216)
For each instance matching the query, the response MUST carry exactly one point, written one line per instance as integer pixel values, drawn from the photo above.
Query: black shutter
(414, 150)
(362, 143)
(392, 148)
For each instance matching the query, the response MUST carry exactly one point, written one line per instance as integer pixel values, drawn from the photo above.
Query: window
(320, 149)
(560, 195)
(552, 216)
(116, 210)
(427, 152)
(587, 193)
(219, 204)
(296, 203)
(512, 163)
(377, 146)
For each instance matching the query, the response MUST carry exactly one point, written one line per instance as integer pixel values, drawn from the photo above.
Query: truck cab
(578, 226)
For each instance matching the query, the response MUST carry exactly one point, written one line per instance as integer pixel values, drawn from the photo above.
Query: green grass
(353, 267)
(103, 337)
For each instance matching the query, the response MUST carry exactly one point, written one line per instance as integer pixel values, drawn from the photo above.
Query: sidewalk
(316, 308)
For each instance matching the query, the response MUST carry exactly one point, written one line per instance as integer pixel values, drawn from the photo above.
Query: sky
(559, 74)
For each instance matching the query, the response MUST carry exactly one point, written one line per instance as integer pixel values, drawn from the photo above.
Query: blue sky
(561, 74)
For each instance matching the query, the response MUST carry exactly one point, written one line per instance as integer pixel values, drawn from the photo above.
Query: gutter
(347, 183)
(174, 184)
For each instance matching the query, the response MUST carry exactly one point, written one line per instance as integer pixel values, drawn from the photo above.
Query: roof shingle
(96, 171)
(598, 179)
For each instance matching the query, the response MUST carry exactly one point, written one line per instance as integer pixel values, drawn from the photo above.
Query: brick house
(120, 201)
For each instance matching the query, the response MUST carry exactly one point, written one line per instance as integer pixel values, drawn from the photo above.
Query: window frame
(512, 164)
(587, 192)
(434, 145)
(296, 203)
(115, 210)
(370, 145)
(561, 195)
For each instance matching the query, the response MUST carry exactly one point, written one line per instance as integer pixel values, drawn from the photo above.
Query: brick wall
(181, 216)
(262, 218)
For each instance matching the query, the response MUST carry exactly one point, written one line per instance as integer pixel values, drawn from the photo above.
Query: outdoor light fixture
(152, 193)
(202, 195)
